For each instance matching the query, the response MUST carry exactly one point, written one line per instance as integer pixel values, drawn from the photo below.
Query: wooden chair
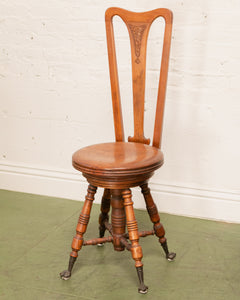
(121, 165)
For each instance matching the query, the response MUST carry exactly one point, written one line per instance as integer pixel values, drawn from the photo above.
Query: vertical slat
(157, 137)
(116, 100)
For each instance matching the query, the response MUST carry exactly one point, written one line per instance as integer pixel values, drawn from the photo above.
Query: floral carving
(137, 33)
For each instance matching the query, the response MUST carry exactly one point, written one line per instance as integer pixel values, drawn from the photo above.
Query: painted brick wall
(55, 98)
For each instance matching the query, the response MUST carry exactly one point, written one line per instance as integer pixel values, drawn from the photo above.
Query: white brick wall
(55, 98)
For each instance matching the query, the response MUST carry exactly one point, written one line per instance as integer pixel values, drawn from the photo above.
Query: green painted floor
(35, 238)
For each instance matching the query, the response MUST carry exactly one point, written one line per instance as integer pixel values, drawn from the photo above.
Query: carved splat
(137, 34)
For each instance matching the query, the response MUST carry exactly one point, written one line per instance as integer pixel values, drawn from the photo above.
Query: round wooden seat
(117, 159)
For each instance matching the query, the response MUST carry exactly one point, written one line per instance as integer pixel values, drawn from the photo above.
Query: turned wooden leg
(105, 207)
(80, 230)
(134, 238)
(118, 219)
(155, 218)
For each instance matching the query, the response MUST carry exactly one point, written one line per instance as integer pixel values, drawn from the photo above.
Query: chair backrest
(138, 25)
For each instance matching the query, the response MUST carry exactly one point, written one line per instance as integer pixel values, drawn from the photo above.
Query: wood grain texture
(138, 25)
(83, 221)
(153, 212)
(117, 158)
(120, 165)
(118, 219)
(132, 227)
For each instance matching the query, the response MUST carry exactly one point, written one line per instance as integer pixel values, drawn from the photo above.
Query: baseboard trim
(175, 199)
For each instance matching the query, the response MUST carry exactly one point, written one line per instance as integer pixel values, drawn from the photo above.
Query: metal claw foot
(169, 256)
(143, 289)
(65, 275)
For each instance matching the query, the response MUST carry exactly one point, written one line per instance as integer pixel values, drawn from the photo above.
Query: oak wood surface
(138, 25)
(120, 165)
(83, 221)
(118, 219)
(117, 158)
